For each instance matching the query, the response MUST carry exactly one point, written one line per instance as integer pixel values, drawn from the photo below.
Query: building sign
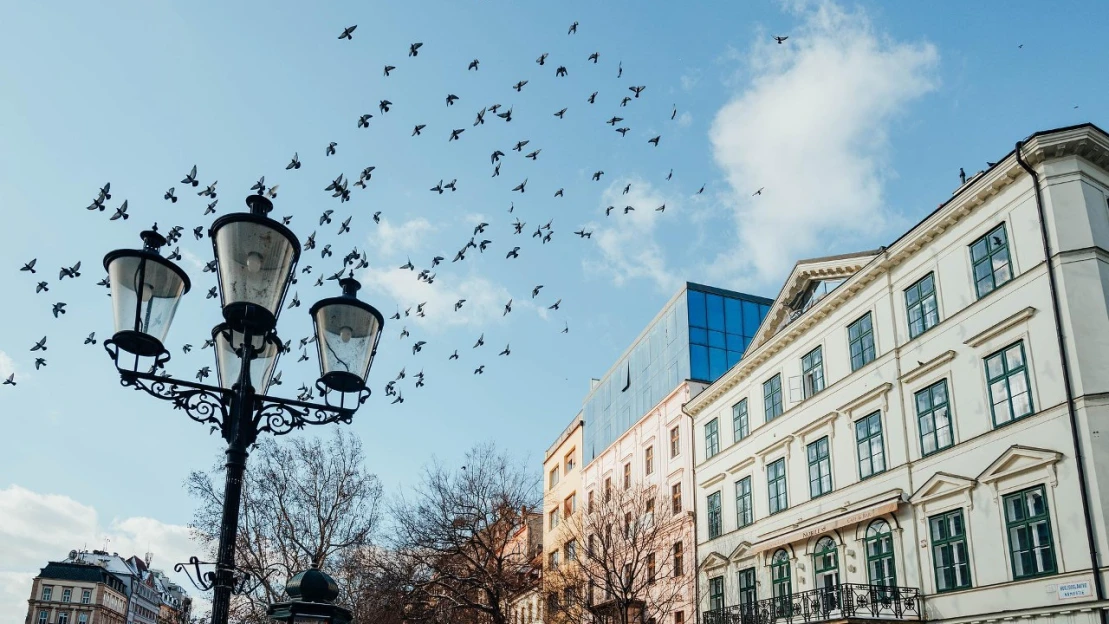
(1081, 589)
(848, 519)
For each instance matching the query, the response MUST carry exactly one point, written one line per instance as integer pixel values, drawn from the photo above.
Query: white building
(915, 432)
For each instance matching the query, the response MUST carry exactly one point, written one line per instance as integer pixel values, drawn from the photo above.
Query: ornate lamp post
(312, 596)
(256, 259)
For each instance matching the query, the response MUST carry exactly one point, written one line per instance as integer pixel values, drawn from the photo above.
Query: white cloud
(39, 528)
(690, 79)
(485, 299)
(7, 365)
(811, 127)
(194, 260)
(685, 119)
(627, 241)
(387, 239)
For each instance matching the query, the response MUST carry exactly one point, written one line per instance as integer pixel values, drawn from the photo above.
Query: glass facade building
(700, 334)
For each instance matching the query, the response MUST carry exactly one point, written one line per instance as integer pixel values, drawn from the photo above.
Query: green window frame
(1028, 526)
(712, 437)
(860, 339)
(933, 415)
(748, 589)
(744, 503)
(989, 258)
(772, 397)
(812, 372)
(782, 583)
(715, 521)
(820, 468)
(716, 593)
(921, 307)
(1008, 383)
(741, 424)
(776, 486)
(825, 559)
(868, 440)
(880, 563)
(950, 557)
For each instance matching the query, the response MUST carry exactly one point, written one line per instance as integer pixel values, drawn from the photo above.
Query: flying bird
(10, 381)
(473, 65)
(594, 57)
(507, 308)
(40, 345)
(59, 308)
(542, 58)
(560, 113)
(121, 212)
(203, 373)
(584, 234)
(561, 71)
(519, 86)
(345, 225)
(30, 266)
(453, 356)
(535, 291)
(451, 99)
(331, 148)
(106, 190)
(661, 208)
(592, 99)
(597, 175)
(654, 140)
(73, 271)
(383, 106)
(614, 121)
(418, 346)
(758, 192)
(457, 132)
(573, 28)
(211, 209)
(388, 68)
(294, 163)
(479, 370)
(364, 120)
(637, 90)
(211, 293)
(780, 40)
(209, 191)
(347, 32)
(190, 178)
(521, 186)
(416, 130)
(533, 155)
(91, 338)
(506, 351)
(39, 363)
(414, 49)
(515, 253)
(554, 306)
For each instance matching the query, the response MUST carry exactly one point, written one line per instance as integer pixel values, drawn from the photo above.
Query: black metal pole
(240, 435)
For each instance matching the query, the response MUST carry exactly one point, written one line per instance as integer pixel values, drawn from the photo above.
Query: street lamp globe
(255, 256)
(146, 289)
(263, 353)
(312, 595)
(347, 333)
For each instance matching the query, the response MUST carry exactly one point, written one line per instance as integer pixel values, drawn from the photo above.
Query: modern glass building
(700, 333)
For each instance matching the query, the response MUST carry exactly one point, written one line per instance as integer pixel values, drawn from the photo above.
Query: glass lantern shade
(266, 349)
(146, 289)
(256, 257)
(347, 333)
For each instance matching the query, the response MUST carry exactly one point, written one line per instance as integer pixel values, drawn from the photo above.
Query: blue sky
(856, 127)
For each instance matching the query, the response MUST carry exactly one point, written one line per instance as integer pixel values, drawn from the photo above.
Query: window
(63, 618)
(627, 524)
(1007, 376)
(568, 461)
(744, 508)
(679, 617)
(712, 438)
(649, 512)
(82, 618)
(43, 616)
(570, 549)
(748, 592)
(934, 417)
(776, 485)
(552, 480)
(608, 488)
(675, 442)
(879, 554)
(570, 505)
(552, 517)
(741, 425)
(67, 594)
(648, 460)
(86, 596)
(715, 521)
(650, 567)
(627, 475)
(868, 439)
(716, 593)
(1028, 524)
(949, 551)
(772, 397)
(552, 559)
(820, 468)
(678, 557)
(812, 372)
(589, 544)
(989, 256)
(48, 591)
(860, 337)
(920, 305)
(781, 583)
(676, 498)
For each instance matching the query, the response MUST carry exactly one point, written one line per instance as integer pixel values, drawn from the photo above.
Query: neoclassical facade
(915, 431)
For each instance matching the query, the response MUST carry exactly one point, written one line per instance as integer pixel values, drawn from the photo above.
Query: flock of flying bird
(340, 188)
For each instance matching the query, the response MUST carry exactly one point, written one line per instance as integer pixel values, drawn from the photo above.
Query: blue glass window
(697, 315)
(718, 363)
(733, 315)
(752, 316)
(716, 339)
(715, 307)
(699, 362)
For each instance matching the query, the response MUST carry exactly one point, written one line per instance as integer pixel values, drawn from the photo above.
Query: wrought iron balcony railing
(847, 600)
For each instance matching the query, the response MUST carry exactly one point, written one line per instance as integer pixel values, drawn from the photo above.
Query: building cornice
(1086, 141)
(1000, 327)
(927, 367)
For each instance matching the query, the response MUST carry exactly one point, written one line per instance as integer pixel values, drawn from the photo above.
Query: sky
(854, 128)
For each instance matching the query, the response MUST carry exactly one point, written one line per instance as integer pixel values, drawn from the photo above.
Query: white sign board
(1081, 589)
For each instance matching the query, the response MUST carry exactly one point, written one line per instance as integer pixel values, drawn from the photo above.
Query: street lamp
(312, 596)
(256, 260)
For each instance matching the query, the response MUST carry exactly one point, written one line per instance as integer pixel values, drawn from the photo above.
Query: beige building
(526, 545)
(914, 433)
(76, 593)
(561, 490)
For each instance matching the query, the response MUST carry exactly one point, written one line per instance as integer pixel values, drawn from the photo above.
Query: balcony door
(748, 594)
(826, 570)
(781, 580)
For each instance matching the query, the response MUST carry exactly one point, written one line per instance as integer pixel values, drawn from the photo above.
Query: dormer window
(813, 293)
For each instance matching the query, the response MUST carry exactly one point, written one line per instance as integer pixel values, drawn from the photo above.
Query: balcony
(847, 601)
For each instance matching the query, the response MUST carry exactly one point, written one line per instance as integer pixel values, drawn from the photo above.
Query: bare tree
(456, 529)
(624, 561)
(304, 501)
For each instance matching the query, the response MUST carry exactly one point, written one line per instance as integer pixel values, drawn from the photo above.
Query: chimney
(593, 383)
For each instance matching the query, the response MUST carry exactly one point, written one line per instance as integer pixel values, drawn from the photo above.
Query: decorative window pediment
(1023, 464)
(877, 397)
(713, 560)
(944, 487)
(742, 551)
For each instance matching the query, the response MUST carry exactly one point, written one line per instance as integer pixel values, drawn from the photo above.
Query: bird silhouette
(388, 68)
(91, 338)
(519, 86)
(418, 128)
(39, 363)
(453, 356)
(58, 308)
(758, 192)
(561, 71)
(203, 373)
(364, 120)
(555, 305)
(414, 49)
(655, 140)
(345, 225)
(209, 191)
(594, 57)
(121, 213)
(637, 90)
(457, 132)
(780, 40)
(560, 114)
(40, 345)
(198, 232)
(331, 148)
(566, 328)
(480, 370)
(418, 346)
(383, 106)
(294, 163)
(514, 253)
(584, 234)
(521, 186)
(190, 178)
(480, 341)
(473, 65)
(347, 32)
(211, 209)
(10, 381)
(542, 59)
(71, 272)
(30, 266)
(573, 29)
(507, 308)
(506, 351)
(592, 99)
(212, 294)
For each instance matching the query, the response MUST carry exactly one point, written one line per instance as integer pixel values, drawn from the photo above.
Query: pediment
(941, 485)
(1018, 460)
(742, 550)
(713, 560)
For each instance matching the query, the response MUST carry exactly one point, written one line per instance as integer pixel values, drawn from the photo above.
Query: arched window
(879, 555)
(826, 570)
(781, 582)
